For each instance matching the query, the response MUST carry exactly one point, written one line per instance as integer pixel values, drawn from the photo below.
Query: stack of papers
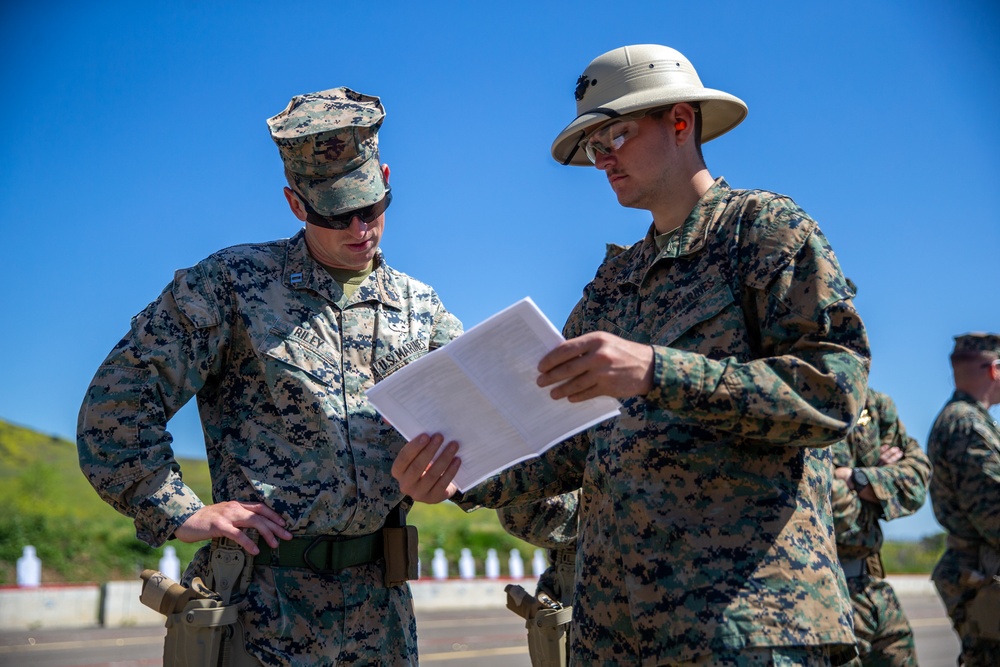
(481, 391)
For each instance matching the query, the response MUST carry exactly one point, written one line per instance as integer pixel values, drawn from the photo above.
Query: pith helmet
(633, 78)
(329, 144)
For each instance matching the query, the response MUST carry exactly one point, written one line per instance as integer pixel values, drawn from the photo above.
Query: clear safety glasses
(609, 138)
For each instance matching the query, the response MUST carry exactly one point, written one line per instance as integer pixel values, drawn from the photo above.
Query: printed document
(480, 390)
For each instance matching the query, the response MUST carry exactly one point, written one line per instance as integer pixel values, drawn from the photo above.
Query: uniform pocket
(302, 350)
(692, 307)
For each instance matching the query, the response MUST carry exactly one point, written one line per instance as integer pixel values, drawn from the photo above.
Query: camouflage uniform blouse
(279, 362)
(964, 447)
(901, 487)
(705, 516)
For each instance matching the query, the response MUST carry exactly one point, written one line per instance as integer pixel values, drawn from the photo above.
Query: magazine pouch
(400, 552)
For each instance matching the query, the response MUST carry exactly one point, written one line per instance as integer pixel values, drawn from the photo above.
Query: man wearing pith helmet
(964, 446)
(729, 335)
(278, 342)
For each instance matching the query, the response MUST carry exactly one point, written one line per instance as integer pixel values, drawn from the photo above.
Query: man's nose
(604, 160)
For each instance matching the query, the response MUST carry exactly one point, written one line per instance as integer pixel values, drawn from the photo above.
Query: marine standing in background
(278, 342)
(964, 448)
(729, 334)
(880, 473)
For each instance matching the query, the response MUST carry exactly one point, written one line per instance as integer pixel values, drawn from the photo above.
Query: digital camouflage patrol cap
(976, 345)
(329, 144)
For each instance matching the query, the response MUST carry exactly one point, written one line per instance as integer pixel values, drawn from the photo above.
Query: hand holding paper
(481, 390)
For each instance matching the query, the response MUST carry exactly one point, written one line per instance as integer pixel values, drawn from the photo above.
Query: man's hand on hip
(229, 518)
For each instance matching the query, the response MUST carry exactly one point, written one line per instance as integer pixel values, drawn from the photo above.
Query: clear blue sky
(135, 144)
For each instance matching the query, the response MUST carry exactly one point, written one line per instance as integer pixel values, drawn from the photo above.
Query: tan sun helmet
(633, 78)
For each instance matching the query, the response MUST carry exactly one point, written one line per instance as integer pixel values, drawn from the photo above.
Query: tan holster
(548, 628)
(203, 628)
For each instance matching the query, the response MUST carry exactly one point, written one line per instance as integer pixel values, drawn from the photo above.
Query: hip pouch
(399, 545)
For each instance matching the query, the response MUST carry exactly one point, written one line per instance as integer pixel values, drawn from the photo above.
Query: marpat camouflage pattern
(705, 518)
(279, 361)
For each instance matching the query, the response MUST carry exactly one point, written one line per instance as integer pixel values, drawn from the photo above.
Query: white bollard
(170, 565)
(466, 565)
(439, 564)
(516, 565)
(492, 564)
(538, 563)
(29, 568)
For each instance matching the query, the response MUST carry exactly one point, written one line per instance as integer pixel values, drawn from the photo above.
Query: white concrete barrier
(85, 606)
(439, 595)
(122, 608)
(49, 607)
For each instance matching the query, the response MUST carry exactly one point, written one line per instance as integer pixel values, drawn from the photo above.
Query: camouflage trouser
(979, 652)
(880, 626)
(951, 580)
(767, 656)
(295, 618)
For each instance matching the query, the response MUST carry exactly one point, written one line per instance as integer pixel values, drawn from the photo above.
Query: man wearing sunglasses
(278, 342)
(964, 447)
(729, 335)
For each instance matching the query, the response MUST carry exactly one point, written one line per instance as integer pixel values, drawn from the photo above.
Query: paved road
(482, 638)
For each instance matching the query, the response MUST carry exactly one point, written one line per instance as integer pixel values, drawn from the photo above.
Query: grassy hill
(50, 504)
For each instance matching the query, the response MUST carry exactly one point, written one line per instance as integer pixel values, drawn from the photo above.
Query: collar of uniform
(304, 272)
(689, 239)
(966, 397)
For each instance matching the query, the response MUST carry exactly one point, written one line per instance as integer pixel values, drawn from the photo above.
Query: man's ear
(385, 173)
(298, 210)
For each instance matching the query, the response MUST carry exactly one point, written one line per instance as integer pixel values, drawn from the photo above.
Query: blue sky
(135, 144)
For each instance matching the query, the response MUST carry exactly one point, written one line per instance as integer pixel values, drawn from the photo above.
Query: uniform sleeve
(122, 439)
(846, 509)
(808, 385)
(901, 487)
(550, 523)
(447, 327)
(977, 473)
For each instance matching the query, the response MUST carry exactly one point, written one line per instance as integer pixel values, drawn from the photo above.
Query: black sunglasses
(343, 220)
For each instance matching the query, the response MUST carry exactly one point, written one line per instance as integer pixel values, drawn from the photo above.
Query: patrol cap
(976, 345)
(329, 144)
(634, 78)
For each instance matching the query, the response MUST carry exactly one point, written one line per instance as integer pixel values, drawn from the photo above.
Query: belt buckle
(320, 539)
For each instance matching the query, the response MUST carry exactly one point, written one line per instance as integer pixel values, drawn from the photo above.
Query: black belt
(323, 554)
